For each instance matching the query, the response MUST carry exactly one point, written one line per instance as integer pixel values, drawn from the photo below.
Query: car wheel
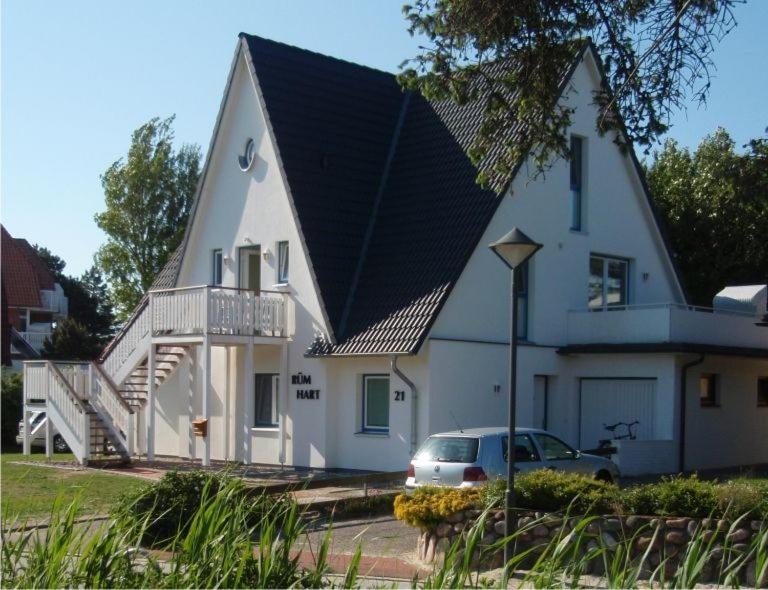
(603, 476)
(59, 444)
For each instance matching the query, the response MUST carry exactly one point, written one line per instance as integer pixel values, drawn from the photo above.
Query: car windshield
(37, 418)
(449, 449)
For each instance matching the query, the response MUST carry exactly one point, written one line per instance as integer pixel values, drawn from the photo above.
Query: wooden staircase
(104, 451)
(167, 359)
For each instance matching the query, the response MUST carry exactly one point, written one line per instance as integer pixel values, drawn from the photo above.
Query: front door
(250, 268)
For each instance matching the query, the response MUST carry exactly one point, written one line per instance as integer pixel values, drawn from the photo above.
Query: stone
(654, 558)
(429, 554)
(707, 523)
(593, 528)
(692, 528)
(675, 537)
(751, 576)
(488, 524)
(740, 547)
(500, 528)
(443, 529)
(608, 541)
(671, 550)
(459, 526)
(706, 536)
(739, 535)
(612, 525)
(455, 517)
(540, 531)
(525, 537)
(756, 525)
(524, 521)
(677, 523)
(717, 553)
(473, 513)
(657, 523)
(633, 521)
(645, 541)
(499, 515)
(488, 539)
(442, 546)
(722, 525)
(420, 546)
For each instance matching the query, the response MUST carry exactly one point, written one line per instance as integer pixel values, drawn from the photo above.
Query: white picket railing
(220, 310)
(35, 339)
(112, 408)
(44, 381)
(77, 376)
(122, 347)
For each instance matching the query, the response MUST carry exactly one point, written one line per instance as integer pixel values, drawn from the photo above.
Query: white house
(334, 300)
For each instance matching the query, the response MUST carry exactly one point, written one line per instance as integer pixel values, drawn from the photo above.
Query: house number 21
(399, 396)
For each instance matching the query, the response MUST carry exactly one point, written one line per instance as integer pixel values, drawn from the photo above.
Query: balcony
(35, 339)
(665, 322)
(220, 311)
(54, 301)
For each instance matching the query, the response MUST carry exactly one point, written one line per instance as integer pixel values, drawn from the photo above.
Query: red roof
(24, 274)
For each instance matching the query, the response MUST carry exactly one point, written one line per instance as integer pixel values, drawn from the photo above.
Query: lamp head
(515, 248)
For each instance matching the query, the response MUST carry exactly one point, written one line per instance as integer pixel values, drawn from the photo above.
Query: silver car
(37, 422)
(471, 457)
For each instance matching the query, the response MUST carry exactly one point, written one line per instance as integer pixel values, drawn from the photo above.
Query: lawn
(29, 492)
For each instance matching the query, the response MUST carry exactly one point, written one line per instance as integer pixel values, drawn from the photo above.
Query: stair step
(166, 349)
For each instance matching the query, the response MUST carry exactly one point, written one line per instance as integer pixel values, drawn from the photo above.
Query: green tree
(656, 55)
(71, 340)
(148, 198)
(715, 205)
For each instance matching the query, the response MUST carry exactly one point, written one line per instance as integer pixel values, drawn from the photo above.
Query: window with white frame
(216, 267)
(282, 262)
(577, 182)
(376, 403)
(608, 281)
(266, 411)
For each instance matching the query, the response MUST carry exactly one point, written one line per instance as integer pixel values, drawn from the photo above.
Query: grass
(29, 492)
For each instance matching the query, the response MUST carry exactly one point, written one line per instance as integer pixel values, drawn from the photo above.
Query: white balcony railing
(35, 339)
(665, 322)
(220, 310)
(54, 301)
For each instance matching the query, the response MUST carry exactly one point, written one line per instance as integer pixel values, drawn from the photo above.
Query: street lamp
(514, 249)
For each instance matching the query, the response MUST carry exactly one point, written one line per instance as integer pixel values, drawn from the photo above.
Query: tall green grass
(222, 546)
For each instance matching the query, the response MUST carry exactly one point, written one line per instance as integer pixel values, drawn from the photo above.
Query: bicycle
(628, 435)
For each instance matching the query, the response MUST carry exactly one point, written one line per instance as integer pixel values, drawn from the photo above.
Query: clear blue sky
(79, 76)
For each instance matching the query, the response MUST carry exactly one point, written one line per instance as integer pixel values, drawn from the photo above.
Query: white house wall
(347, 445)
(736, 432)
(617, 222)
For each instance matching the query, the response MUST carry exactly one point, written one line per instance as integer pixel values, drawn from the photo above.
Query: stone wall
(667, 537)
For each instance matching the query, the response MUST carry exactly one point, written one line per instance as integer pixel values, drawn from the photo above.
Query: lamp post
(515, 248)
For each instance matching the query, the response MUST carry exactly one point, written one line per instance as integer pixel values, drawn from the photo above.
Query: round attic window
(246, 160)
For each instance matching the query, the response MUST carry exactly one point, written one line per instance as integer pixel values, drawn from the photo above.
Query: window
(282, 262)
(376, 402)
(525, 452)
(216, 267)
(266, 413)
(554, 449)
(449, 449)
(708, 396)
(762, 392)
(608, 278)
(521, 286)
(577, 179)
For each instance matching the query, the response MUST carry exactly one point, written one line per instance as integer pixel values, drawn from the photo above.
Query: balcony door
(250, 268)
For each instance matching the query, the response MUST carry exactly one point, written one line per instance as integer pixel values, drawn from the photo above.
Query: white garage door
(608, 401)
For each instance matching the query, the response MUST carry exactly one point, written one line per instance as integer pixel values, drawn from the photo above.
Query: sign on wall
(304, 393)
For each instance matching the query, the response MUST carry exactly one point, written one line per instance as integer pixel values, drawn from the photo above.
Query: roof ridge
(317, 53)
(374, 215)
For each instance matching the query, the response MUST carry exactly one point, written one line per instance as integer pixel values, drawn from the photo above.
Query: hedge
(553, 491)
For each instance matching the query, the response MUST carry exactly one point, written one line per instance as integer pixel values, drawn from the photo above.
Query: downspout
(683, 395)
(414, 404)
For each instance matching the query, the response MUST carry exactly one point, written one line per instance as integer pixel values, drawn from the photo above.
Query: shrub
(555, 491)
(427, 506)
(165, 507)
(679, 496)
(11, 410)
(743, 496)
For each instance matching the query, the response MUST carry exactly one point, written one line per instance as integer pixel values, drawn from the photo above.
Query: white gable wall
(618, 222)
(238, 209)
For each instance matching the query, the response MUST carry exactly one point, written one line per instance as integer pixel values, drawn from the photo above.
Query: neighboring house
(32, 299)
(334, 300)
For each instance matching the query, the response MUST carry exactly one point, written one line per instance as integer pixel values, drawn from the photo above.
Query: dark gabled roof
(382, 190)
(663, 347)
(166, 278)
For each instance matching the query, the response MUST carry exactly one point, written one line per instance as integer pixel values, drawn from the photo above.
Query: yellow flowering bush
(429, 505)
